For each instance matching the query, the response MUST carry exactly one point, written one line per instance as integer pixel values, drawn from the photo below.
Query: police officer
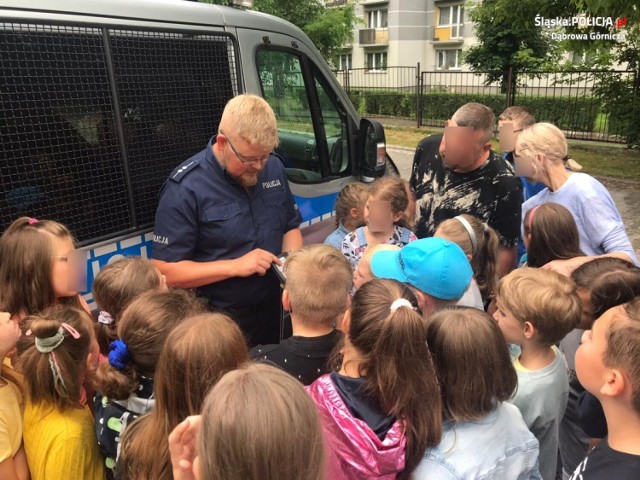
(224, 215)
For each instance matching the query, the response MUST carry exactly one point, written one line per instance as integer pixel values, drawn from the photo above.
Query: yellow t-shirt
(10, 420)
(61, 445)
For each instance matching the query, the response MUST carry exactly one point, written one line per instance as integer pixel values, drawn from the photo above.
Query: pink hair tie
(533, 212)
(32, 221)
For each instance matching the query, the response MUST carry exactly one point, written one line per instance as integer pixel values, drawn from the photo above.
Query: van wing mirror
(372, 150)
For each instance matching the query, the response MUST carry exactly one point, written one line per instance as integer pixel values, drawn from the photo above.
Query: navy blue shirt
(205, 215)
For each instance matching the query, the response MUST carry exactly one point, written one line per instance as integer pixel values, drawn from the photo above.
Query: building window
(448, 58)
(377, 61)
(452, 16)
(345, 61)
(377, 19)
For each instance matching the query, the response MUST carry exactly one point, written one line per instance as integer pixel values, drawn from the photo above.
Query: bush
(568, 113)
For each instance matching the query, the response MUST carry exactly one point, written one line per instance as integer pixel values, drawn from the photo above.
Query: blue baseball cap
(432, 265)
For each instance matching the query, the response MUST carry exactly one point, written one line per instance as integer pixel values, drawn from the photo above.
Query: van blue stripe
(312, 207)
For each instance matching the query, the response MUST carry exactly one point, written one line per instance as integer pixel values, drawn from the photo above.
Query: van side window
(95, 119)
(284, 86)
(335, 129)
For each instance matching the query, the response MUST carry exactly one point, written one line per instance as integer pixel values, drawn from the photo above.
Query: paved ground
(626, 194)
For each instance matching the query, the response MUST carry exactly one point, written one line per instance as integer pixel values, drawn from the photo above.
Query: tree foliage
(328, 28)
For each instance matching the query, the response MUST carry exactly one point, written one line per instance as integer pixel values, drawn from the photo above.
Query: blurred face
(68, 275)
(589, 356)
(462, 147)
(508, 134)
(526, 165)
(242, 160)
(511, 328)
(9, 333)
(378, 215)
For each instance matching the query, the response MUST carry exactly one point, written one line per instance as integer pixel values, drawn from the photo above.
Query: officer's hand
(257, 261)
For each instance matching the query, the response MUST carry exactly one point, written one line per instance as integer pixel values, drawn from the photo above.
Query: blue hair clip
(118, 354)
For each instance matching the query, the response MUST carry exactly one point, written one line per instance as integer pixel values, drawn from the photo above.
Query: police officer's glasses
(242, 158)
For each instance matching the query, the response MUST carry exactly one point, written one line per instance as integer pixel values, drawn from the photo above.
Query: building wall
(411, 32)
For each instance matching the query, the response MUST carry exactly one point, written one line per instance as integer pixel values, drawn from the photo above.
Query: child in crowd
(380, 410)
(483, 436)
(40, 267)
(602, 283)
(13, 461)
(363, 274)
(319, 280)
(550, 233)
(349, 212)
(480, 243)
(437, 270)
(257, 424)
(535, 310)
(196, 354)
(59, 350)
(115, 286)
(608, 365)
(124, 384)
(385, 218)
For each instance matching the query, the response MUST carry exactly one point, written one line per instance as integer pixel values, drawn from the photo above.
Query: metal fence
(580, 101)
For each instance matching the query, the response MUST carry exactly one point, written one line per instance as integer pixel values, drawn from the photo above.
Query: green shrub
(568, 113)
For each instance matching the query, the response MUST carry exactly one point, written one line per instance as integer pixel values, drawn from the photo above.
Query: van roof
(166, 11)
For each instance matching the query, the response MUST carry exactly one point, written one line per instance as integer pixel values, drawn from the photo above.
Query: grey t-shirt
(542, 398)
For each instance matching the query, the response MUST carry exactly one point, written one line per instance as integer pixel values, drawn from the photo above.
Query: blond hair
(546, 299)
(251, 119)
(484, 259)
(547, 140)
(623, 347)
(521, 116)
(258, 423)
(319, 279)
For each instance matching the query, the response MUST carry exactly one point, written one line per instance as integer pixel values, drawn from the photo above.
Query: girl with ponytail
(56, 355)
(381, 408)
(124, 383)
(480, 243)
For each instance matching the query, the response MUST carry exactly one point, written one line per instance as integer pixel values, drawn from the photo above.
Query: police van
(101, 100)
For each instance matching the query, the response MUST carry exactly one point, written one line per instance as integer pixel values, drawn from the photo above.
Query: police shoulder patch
(180, 172)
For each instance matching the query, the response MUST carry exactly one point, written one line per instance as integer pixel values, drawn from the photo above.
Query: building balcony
(373, 37)
(451, 34)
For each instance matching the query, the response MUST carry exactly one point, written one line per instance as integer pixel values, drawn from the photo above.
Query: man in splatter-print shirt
(457, 173)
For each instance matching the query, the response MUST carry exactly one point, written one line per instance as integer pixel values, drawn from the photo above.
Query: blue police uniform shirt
(205, 215)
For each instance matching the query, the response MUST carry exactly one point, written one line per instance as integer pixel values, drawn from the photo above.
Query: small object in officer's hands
(279, 269)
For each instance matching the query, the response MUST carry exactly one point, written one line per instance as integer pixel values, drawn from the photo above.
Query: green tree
(508, 36)
(328, 28)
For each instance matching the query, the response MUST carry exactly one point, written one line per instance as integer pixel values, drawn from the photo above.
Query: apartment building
(405, 32)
